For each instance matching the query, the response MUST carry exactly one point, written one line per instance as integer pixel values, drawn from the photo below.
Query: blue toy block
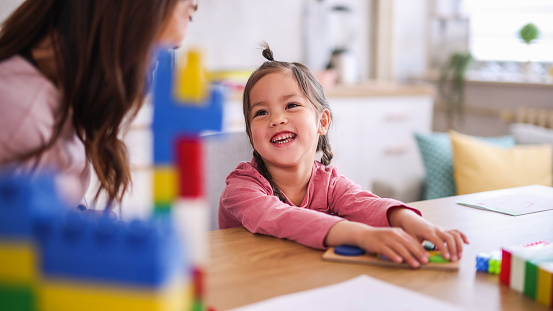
(190, 117)
(86, 248)
(173, 115)
(21, 199)
(482, 262)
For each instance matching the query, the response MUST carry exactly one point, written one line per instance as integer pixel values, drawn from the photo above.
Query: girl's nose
(278, 119)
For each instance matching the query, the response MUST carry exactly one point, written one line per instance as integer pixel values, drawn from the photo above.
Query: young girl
(286, 193)
(71, 74)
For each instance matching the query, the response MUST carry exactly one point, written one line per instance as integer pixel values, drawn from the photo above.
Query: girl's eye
(260, 113)
(291, 105)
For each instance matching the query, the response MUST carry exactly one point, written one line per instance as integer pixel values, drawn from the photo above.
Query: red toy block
(505, 274)
(190, 167)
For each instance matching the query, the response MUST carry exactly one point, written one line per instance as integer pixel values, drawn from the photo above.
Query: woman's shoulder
(28, 109)
(22, 85)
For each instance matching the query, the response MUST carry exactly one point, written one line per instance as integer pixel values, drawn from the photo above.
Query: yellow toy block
(545, 284)
(191, 84)
(59, 295)
(18, 263)
(165, 184)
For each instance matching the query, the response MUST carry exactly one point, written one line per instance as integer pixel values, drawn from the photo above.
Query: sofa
(455, 163)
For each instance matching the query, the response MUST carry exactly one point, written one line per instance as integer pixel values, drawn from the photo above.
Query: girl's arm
(394, 243)
(247, 200)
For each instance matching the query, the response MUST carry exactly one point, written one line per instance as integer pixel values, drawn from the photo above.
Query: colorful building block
(165, 184)
(544, 292)
(489, 262)
(61, 295)
(512, 265)
(83, 248)
(494, 265)
(519, 256)
(482, 262)
(191, 82)
(531, 266)
(184, 107)
(531, 272)
(190, 166)
(21, 198)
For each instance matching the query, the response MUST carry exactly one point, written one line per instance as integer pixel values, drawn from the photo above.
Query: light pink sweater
(247, 201)
(29, 106)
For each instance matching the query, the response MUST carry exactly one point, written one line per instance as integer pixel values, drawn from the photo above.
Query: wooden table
(247, 268)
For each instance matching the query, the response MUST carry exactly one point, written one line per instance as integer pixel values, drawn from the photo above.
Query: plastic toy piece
(17, 297)
(165, 184)
(544, 294)
(531, 267)
(369, 259)
(489, 262)
(482, 262)
(19, 263)
(429, 246)
(494, 266)
(176, 115)
(191, 83)
(20, 199)
(348, 250)
(190, 167)
(83, 248)
(65, 296)
(438, 258)
(519, 256)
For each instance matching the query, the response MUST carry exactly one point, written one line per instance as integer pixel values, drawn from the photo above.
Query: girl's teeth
(283, 139)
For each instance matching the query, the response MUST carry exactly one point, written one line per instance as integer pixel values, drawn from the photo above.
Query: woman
(72, 74)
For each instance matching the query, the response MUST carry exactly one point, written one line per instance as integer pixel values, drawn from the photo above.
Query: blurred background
(375, 55)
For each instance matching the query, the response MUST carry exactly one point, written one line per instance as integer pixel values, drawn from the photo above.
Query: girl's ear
(324, 122)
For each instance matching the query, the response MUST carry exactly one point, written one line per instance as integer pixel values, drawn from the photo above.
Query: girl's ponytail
(263, 171)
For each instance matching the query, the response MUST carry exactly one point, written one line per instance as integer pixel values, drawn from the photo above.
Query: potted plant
(528, 33)
(451, 86)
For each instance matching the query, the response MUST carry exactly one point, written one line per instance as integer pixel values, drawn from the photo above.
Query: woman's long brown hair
(103, 52)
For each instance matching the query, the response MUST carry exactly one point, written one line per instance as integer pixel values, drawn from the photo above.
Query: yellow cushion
(479, 166)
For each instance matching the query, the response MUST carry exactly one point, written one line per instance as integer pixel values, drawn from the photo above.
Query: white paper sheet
(360, 293)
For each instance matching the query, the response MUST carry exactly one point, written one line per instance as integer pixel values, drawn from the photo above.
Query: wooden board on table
(366, 259)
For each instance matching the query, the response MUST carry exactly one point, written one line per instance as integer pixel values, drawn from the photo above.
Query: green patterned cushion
(435, 149)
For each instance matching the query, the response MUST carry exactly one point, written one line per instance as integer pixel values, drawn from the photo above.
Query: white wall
(410, 43)
(7, 7)
(230, 31)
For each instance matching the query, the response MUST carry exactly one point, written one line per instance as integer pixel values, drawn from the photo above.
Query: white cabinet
(373, 143)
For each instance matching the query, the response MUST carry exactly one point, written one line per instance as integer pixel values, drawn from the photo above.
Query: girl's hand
(394, 243)
(449, 242)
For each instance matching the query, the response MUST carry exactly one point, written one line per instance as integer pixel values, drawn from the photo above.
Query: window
(495, 24)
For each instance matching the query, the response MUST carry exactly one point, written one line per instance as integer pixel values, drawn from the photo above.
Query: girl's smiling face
(285, 126)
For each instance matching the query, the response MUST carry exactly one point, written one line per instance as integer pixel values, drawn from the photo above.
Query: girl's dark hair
(312, 90)
(103, 53)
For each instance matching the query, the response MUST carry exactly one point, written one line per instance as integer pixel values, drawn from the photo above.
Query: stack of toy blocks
(185, 105)
(21, 200)
(489, 262)
(98, 263)
(52, 259)
(528, 269)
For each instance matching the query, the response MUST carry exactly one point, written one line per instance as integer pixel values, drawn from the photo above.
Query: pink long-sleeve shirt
(248, 201)
(29, 108)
